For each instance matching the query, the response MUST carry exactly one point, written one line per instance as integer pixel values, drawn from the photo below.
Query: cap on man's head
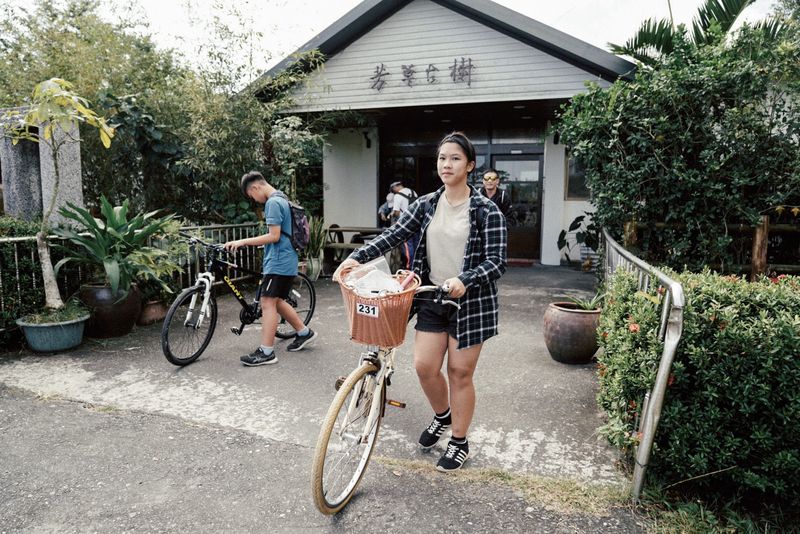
(396, 184)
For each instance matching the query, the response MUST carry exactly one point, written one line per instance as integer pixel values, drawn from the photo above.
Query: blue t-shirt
(279, 258)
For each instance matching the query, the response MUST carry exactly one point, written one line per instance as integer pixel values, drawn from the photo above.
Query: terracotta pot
(153, 311)
(570, 333)
(111, 317)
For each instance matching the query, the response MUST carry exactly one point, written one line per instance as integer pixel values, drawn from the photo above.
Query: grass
(662, 513)
(563, 496)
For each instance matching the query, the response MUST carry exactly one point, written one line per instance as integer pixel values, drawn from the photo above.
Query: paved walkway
(534, 415)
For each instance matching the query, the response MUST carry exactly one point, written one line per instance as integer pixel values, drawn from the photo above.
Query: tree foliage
(655, 39)
(184, 135)
(707, 141)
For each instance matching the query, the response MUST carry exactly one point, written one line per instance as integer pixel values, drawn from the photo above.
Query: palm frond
(772, 27)
(716, 12)
(652, 40)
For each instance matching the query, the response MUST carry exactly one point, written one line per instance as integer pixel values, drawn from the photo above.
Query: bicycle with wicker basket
(350, 429)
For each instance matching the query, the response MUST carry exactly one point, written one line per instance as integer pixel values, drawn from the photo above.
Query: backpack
(411, 198)
(301, 230)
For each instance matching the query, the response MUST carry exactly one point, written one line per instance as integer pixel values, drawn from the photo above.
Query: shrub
(731, 414)
(708, 140)
(18, 259)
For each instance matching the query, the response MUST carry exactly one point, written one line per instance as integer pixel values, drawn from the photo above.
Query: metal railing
(670, 330)
(23, 250)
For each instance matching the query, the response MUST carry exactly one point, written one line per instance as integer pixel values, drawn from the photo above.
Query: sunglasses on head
(491, 178)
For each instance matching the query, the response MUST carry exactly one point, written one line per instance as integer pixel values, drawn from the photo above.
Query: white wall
(553, 205)
(350, 177)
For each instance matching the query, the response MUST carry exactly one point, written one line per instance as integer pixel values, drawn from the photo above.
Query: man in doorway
(403, 197)
(490, 189)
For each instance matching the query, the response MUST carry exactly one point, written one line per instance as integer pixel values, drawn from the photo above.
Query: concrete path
(534, 415)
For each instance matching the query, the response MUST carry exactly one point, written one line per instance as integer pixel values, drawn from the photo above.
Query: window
(576, 180)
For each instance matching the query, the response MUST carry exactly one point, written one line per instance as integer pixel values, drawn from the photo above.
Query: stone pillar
(70, 187)
(22, 189)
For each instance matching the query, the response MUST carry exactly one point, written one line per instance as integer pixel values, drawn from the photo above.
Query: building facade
(419, 69)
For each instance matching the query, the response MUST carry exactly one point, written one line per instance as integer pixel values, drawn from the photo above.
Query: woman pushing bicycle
(463, 246)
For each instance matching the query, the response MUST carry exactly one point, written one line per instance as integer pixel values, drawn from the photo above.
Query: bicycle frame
(207, 279)
(384, 359)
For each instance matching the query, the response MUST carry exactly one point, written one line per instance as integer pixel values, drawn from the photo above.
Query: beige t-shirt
(446, 239)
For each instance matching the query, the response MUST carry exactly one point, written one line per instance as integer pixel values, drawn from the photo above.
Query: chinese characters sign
(460, 72)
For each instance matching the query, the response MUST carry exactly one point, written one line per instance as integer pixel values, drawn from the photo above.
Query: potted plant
(570, 329)
(313, 251)
(586, 234)
(116, 249)
(155, 301)
(52, 118)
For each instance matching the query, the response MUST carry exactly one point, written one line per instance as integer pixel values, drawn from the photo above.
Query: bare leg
(429, 349)
(460, 368)
(269, 320)
(288, 312)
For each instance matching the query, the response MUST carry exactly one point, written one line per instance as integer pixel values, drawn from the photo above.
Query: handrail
(670, 331)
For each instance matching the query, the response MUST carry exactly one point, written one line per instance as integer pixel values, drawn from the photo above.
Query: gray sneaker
(300, 342)
(257, 357)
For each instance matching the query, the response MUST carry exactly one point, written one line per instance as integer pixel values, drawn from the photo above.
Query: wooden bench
(337, 248)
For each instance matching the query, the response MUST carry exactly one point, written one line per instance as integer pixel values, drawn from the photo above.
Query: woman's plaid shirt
(484, 259)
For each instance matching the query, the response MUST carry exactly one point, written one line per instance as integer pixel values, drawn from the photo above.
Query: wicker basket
(379, 321)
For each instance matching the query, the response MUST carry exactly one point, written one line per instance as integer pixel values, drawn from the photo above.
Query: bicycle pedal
(396, 404)
(338, 383)
(237, 330)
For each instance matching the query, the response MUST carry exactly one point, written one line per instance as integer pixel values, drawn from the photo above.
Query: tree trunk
(759, 255)
(51, 295)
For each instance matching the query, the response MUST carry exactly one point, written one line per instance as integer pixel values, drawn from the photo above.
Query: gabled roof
(370, 13)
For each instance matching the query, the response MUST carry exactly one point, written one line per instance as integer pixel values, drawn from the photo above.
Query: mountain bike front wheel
(303, 298)
(345, 443)
(184, 335)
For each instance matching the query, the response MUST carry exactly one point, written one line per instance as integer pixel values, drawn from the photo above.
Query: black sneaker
(430, 436)
(257, 357)
(300, 342)
(454, 457)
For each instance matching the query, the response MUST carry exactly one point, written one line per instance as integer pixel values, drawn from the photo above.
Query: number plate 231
(370, 310)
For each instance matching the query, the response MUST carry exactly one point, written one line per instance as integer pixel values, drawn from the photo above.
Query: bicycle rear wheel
(303, 298)
(181, 340)
(344, 446)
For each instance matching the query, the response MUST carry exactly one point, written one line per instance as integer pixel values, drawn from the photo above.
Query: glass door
(520, 176)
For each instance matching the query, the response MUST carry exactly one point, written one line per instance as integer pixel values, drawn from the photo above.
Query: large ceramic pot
(570, 332)
(313, 268)
(53, 337)
(111, 316)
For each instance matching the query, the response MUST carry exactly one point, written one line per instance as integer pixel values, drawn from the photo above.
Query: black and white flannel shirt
(484, 259)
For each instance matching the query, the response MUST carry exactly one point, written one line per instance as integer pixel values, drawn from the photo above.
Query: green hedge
(733, 401)
(21, 259)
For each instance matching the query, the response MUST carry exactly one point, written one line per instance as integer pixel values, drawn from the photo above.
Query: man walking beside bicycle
(279, 269)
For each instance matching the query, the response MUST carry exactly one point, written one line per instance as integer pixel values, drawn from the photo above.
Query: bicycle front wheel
(185, 335)
(303, 298)
(346, 440)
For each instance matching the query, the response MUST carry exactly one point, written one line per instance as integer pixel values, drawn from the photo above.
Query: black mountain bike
(192, 318)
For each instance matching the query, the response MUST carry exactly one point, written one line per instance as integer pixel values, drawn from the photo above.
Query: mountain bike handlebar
(216, 247)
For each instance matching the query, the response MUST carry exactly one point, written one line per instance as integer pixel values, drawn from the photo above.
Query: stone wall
(28, 172)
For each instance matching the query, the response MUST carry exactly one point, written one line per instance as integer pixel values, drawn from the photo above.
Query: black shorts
(433, 317)
(275, 285)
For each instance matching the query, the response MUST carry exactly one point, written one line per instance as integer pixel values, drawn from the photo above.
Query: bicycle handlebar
(439, 294)
(217, 247)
